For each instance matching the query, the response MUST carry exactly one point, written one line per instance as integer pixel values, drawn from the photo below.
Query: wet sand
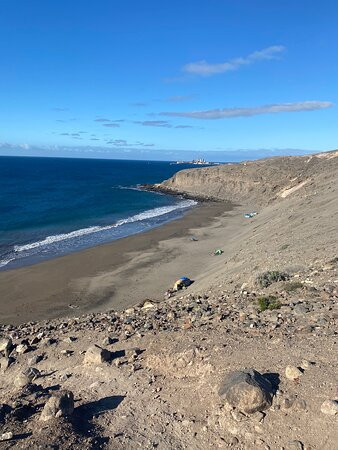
(114, 275)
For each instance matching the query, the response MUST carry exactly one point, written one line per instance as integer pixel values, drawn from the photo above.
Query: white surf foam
(4, 262)
(95, 229)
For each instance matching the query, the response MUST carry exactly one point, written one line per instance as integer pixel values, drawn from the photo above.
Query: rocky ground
(154, 380)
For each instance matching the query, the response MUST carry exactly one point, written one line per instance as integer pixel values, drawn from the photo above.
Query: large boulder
(59, 404)
(247, 390)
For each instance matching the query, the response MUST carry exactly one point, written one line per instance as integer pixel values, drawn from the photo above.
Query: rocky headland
(244, 358)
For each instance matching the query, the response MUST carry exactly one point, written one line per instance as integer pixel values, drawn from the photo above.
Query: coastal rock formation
(255, 182)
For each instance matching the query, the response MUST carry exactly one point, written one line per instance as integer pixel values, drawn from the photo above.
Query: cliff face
(257, 182)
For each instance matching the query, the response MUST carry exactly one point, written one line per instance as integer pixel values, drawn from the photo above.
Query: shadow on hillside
(83, 414)
(274, 380)
(91, 409)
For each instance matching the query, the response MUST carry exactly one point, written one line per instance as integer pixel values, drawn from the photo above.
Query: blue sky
(164, 79)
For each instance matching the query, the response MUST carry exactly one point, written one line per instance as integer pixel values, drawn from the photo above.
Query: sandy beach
(118, 274)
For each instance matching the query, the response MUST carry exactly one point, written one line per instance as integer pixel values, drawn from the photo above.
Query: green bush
(265, 279)
(269, 303)
(292, 286)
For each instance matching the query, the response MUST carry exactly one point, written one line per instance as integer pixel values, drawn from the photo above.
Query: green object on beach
(218, 252)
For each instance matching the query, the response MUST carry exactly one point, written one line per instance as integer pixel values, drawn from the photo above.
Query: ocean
(54, 206)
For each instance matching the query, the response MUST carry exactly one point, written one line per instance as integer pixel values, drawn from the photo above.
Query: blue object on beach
(250, 215)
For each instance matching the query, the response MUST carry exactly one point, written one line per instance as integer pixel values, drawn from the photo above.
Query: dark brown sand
(110, 276)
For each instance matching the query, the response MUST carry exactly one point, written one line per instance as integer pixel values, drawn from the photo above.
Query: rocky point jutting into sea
(244, 358)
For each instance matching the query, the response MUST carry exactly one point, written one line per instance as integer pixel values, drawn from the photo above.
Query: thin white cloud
(227, 113)
(111, 125)
(154, 123)
(203, 68)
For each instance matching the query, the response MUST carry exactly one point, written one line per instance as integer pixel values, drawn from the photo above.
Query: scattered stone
(48, 341)
(22, 348)
(6, 436)
(59, 404)
(109, 340)
(329, 407)
(35, 360)
(67, 352)
(26, 377)
(247, 390)
(32, 373)
(96, 355)
(4, 363)
(148, 304)
(6, 345)
(22, 380)
(293, 445)
(69, 339)
(293, 373)
(305, 364)
(132, 353)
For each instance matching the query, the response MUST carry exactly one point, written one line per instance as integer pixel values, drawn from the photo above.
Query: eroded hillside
(257, 182)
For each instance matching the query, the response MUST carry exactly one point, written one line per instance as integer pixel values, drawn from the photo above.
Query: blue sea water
(53, 206)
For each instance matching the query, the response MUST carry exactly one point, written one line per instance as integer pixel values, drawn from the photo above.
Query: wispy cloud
(59, 109)
(102, 119)
(227, 113)
(125, 143)
(161, 123)
(111, 125)
(203, 68)
(154, 123)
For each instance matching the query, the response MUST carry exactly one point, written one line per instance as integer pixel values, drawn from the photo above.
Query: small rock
(109, 340)
(329, 407)
(292, 373)
(21, 380)
(26, 377)
(294, 445)
(247, 390)
(305, 364)
(32, 373)
(22, 348)
(6, 436)
(48, 341)
(5, 363)
(35, 360)
(69, 339)
(59, 404)
(67, 352)
(96, 355)
(132, 353)
(6, 345)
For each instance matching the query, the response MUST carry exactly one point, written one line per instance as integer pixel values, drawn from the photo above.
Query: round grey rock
(247, 390)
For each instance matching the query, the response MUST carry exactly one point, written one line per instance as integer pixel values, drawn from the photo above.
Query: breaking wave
(149, 214)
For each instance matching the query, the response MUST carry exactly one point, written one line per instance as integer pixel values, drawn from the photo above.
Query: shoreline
(114, 275)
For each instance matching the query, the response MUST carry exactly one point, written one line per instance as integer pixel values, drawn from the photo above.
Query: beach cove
(119, 274)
